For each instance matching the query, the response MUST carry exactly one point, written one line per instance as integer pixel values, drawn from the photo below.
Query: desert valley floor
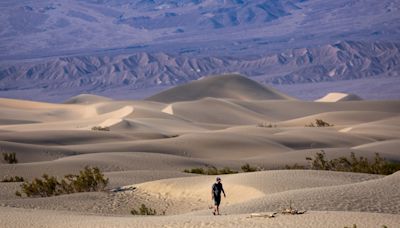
(224, 121)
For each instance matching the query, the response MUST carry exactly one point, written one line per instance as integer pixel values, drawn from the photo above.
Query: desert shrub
(295, 166)
(17, 193)
(247, 168)
(210, 170)
(10, 158)
(88, 180)
(195, 170)
(226, 170)
(319, 123)
(354, 226)
(267, 125)
(171, 136)
(100, 128)
(353, 164)
(143, 210)
(13, 179)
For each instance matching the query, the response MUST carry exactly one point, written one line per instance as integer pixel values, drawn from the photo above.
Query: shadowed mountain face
(89, 45)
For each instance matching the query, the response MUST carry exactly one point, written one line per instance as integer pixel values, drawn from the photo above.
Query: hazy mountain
(92, 45)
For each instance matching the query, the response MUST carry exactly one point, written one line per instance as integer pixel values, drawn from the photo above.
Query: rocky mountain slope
(91, 46)
(340, 61)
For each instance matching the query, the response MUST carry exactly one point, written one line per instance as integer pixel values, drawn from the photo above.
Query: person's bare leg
(217, 210)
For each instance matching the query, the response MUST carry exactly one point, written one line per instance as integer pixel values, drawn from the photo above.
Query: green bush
(226, 170)
(353, 164)
(355, 226)
(247, 168)
(88, 180)
(295, 166)
(319, 123)
(266, 125)
(17, 193)
(10, 158)
(100, 128)
(211, 170)
(143, 210)
(195, 170)
(13, 179)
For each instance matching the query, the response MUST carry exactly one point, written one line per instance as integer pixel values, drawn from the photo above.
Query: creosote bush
(353, 164)
(247, 168)
(267, 125)
(143, 210)
(295, 166)
(211, 170)
(10, 158)
(319, 123)
(355, 226)
(13, 179)
(88, 180)
(100, 128)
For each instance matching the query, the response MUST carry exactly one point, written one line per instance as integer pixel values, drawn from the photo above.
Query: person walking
(216, 195)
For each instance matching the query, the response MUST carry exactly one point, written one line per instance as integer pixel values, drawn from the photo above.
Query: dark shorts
(217, 200)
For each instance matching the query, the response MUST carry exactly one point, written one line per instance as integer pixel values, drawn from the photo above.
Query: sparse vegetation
(247, 168)
(88, 180)
(291, 211)
(143, 210)
(172, 136)
(100, 128)
(353, 164)
(355, 226)
(267, 125)
(295, 166)
(319, 123)
(13, 179)
(17, 193)
(10, 158)
(226, 170)
(211, 170)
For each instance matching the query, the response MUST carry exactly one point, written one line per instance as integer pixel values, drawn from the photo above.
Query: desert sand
(224, 121)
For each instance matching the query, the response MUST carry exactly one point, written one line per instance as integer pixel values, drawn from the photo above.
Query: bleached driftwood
(263, 215)
(291, 211)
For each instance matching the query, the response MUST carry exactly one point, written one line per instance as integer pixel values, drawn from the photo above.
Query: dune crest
(168, 110)
(86, 99)
(223, 86)
(336, 97)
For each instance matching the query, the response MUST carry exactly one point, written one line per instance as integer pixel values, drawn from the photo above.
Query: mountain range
(131, 45)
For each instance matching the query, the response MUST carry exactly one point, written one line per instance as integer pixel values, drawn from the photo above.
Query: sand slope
(224, 86)
(336, 97)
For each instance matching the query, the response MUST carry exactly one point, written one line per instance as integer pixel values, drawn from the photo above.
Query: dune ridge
(229, 86)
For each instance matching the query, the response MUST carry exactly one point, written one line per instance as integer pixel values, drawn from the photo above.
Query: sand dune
(336, 97)
(225, 86)
(224, 121)
(367, 196)
(341, 118)
(388, 146)
(332, 219)
(86, 99)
